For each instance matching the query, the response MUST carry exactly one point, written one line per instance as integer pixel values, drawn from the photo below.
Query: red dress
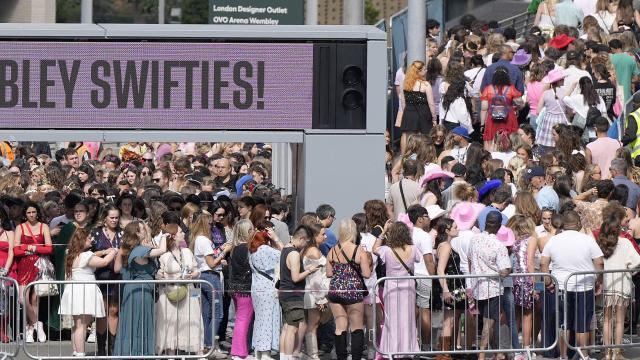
(27, 271)
(511, 125)
(4, 255)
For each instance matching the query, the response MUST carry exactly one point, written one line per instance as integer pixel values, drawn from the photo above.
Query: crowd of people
(516, 156)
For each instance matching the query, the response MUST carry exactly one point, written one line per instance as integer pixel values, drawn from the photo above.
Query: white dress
(178, 325)
(82, 299)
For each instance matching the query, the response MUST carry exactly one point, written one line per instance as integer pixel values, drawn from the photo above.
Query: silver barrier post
(9, 318)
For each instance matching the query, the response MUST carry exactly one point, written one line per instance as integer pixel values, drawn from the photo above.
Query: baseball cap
(533, 171)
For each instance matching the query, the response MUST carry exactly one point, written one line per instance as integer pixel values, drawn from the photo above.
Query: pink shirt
(603, 150)
(534, 92)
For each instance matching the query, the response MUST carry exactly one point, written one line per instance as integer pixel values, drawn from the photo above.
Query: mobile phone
(538, 286)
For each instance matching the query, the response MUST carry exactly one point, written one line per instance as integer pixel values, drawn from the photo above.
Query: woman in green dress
(135, 335)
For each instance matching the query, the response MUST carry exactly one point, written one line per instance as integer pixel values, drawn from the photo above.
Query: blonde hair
(494, 42)
(200, 226)
(522, 226)
(347, 231)
(242, 232)
(413, 75)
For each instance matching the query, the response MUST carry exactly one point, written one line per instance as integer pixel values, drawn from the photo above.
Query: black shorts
(292, 311)
(580, 310)
(490, 308)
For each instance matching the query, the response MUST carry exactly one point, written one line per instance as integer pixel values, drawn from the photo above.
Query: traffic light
(339, 99)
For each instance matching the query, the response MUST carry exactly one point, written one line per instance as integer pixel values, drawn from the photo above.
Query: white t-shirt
(462, 244)
(424, 242)
(367, 243)
(572, 251)
(478, 74)
(202, 247)
(504, 156)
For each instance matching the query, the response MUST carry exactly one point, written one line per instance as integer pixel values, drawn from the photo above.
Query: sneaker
(371, 354)
(519, 356)
(217, 354)
(42, 337)
(92, 336)
(225, 345)
(28, 335)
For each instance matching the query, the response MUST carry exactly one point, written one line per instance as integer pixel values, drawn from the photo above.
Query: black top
(240, 280)
(607, 92)
(286, 282)
(415, 98)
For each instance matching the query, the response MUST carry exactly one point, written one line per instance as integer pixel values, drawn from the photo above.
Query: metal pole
(161, 11)
(353, 12)
(416, 42)
(86, 11)
(311, 16)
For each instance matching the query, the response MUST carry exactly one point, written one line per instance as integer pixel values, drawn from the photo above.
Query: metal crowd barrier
(592, 306)
(136, 293)
(465, 331)
(9, 309)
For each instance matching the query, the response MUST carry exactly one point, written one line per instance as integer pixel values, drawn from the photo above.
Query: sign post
(256, 12)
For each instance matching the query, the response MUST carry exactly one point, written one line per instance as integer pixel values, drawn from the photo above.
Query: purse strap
(401, 261)
(352, 264)
(404, 202)
(264, 274)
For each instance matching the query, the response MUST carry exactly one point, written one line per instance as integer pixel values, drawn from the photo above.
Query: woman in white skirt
(84, 300)
(178, 319)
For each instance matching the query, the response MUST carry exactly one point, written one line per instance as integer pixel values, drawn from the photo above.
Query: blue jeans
(211, 306)
(507, 305)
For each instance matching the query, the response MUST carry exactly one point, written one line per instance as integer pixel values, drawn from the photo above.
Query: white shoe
(28, 335)
(92, 336)
(371, 354)
(42, 337)
(78, 354)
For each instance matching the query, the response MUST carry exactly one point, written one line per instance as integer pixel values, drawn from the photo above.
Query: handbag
(403, 265)
(45, 273)
(176, 292)
(363, 287)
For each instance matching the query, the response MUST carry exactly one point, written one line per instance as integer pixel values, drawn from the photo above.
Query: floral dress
(266, 326)
(522, 285)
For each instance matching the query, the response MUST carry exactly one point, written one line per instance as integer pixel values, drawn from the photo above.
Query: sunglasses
(156, 180)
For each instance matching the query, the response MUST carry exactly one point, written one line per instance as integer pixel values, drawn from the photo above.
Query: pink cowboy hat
(553, 76)
(506, 236)
(436, 173)
(465, 214)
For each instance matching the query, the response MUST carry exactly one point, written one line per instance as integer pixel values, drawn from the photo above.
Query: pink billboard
(155, 85)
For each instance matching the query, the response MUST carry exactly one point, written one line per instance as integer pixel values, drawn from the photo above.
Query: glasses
(219, 214)
(547, 208)
(156, 180)
(148, 160)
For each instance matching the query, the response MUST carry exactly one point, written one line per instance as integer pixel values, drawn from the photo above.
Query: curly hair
(454, 91)
(398, 235)
(376, 212)
(76, 247)
(610, 230)
(130, 239)
(501, 77)
(454, 71)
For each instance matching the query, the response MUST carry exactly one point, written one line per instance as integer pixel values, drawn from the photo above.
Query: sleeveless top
(345, 285)
(286, 282)
(415, 98)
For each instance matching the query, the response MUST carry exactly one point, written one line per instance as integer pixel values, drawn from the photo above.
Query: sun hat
(435, 211)
(506, 236)
(465, 214)
(488, 186)
(462, 131)
(521, 58)
(561, 41)
(162, 150)
(553, 76)
(436, 173)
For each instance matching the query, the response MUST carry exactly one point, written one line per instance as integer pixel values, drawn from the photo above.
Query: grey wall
(343, 170)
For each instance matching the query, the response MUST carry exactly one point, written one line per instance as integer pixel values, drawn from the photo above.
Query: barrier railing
(159, 319)
(9, 308)
(599, 309)
(460, 312)
(521, 22)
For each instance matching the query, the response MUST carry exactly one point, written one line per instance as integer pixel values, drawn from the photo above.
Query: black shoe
(341, 346)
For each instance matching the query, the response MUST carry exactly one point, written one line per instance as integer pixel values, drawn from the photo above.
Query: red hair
(259, 238)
